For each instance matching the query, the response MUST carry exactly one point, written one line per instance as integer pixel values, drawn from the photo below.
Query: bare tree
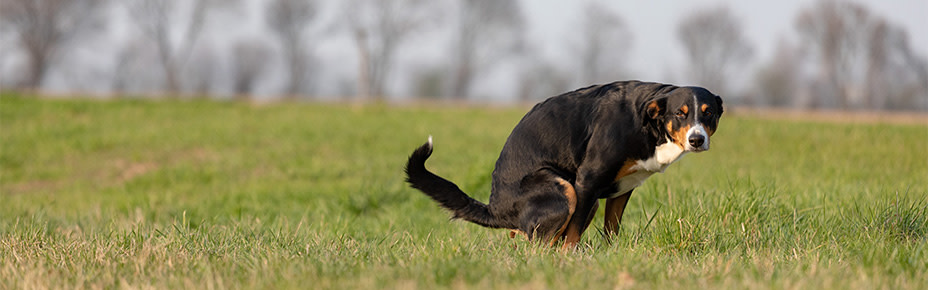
(541, 78)
(200, 74)
(248, 64)
(777, 82)
(715, 47)
(156, 19)
(125, 72)
(289, 20)
(829, 32)
(45, 28)
(604, 43)
(898, 79)
(429, 82)
(487, 30)
(863, 61)
(378, 29)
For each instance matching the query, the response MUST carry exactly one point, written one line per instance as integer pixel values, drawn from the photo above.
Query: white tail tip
(430, 140)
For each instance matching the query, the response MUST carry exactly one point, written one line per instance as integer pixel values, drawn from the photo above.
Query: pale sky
(656, 52)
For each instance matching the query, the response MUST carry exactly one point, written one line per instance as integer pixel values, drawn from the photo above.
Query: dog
(569, 151)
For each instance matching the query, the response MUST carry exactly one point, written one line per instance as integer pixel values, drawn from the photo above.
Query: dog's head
(686, 116)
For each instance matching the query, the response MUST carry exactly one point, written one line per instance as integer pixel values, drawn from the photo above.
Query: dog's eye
(707, 113)
(681, 114)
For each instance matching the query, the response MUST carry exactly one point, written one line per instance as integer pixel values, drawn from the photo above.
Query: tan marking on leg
(615, 207)
(514, 232)
(571, 238)
(572, 235)
(573, 232)
(626, 169)
(571, 207)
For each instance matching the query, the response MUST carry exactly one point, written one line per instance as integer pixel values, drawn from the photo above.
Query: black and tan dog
(571, 150)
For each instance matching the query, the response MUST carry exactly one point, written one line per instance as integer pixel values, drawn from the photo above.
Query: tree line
(844, 56)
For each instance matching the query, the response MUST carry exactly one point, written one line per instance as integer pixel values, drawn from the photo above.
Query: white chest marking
(664, 155)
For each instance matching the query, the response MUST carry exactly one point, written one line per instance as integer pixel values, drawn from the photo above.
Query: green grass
(198, 194)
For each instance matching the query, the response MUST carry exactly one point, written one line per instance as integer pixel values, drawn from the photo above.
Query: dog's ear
(718, 100)
(654, 108)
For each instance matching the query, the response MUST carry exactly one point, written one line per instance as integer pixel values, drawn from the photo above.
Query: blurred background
(849, 55)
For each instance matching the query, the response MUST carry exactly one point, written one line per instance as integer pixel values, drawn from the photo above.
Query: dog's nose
(696, 140)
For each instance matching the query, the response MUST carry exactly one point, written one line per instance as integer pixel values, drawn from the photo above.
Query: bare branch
(778, 81)
(715, 46)
(863, 60)
(248, 64)
(604, 43)
(487, 31)
(289, 20)
(45, 28)
(379, 28)
(156, 18)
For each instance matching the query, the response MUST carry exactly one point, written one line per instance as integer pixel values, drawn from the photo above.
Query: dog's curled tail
(446, 193)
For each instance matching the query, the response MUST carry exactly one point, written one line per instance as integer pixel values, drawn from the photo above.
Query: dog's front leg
(602, 161)
(615, 207)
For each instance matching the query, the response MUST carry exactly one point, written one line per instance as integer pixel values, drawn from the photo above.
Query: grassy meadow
(203, 194)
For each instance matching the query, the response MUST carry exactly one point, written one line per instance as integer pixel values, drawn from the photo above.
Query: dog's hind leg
(550, 201)
(571, 196)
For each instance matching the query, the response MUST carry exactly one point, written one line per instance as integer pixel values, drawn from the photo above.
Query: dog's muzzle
(697, 140)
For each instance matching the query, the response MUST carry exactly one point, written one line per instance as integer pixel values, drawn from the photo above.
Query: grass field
(200, 195)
